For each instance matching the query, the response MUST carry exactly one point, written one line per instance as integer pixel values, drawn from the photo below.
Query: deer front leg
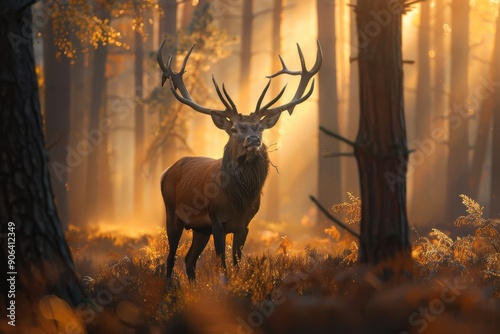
(239, 239)
(220, 242)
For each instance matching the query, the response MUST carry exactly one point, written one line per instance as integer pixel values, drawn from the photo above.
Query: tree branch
(337, 136)
(338, 154)
(332, 218)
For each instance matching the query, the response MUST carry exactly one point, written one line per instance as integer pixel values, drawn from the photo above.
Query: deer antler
(305, 76)
(177, 84)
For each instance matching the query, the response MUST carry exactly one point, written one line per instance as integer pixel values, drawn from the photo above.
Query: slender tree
(439, 99)
(77, 176)
(329, 185)
(272, 186)
(187, 15)
(139, 124)
(42, 260)
(422, 182)
(97, 158)
(458, 131)
(484, 125)
(246, 49)
(380, 148)
(495, 149)
(168, 29)
(168, 25)
(349, 168)
(481, 144)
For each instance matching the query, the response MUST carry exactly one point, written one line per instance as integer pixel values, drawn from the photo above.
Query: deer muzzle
(252, 143)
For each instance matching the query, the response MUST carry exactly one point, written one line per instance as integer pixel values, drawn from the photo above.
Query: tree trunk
(272, 190)
(481, 145)
(77, 176)
(495, 149)
(423, 175)
(105, 200)
(458, 131)
(187, 15)
(246, 51)
(484, 125)
(168, 26)
(439, 124)
(57, 119)
(42, 259)
(139, 127)
(168, 29)
(96, 137)
(329, 185)
(381, 150)
(349, 167)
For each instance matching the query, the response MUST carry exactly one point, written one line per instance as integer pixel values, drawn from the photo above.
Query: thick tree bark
(57, 119)
(458, 131)
(246, 50)
(329, 185)
(381, 149)
(42, 260)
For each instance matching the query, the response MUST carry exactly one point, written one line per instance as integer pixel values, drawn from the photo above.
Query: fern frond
(475, 213)
(441, 237)
(473, 208)
(352, 210)
(333, 232)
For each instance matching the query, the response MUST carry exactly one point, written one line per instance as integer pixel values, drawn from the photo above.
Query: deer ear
(270, 120)
(221, 121)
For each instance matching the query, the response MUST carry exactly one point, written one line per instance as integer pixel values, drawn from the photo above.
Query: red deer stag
(221, 196)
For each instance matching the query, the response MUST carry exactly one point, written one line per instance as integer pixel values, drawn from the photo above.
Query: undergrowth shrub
(283, 271)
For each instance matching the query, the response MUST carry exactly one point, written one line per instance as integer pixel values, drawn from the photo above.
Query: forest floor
(454, 286)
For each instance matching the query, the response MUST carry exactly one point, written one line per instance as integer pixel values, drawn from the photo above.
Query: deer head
(245, 131)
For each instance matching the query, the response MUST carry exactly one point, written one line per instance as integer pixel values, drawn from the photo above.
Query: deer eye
(233, 130)
(261, 128)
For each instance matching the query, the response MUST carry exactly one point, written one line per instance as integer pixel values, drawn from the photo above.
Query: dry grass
(287, 289)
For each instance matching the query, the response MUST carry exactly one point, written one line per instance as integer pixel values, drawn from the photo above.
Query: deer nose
(253, 140)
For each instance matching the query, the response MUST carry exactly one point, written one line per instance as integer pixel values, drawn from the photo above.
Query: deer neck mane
(245, 179)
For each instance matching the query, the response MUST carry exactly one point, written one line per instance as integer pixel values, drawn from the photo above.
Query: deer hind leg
(200, 240)
(174, 231)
